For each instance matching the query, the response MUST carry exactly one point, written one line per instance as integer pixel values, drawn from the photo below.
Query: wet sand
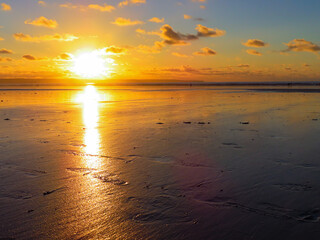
(154, 162)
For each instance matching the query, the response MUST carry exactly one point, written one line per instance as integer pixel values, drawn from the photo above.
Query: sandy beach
(152, 162)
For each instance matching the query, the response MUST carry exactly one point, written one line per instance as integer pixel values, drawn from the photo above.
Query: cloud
(185, 16)
(182, 69)
(73, 6)
(5, 59)
(201, 1)
(203, 7)
(65, 56)
(29, 57)
(5, 7)
(1, 39)
(42, 22)
(172, 37)
(130, 2)
(255, 43)
(254, 52)
(115, 50)
(126, 22)
(156, 48)
(102, 8)
(243, 66)
(175, 38)
(209, 32)
(5, 51)
(301, 45)
(43, 3)
(205, 52)
(179, 55)
(55, 37)
(156, 20)
(142, 31)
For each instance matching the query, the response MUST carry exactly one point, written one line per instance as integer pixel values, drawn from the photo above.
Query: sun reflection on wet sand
(90, 113)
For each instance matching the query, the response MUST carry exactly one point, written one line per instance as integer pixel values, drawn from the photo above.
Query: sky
(207, 40)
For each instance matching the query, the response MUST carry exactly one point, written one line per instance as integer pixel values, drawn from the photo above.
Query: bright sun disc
(90, 65)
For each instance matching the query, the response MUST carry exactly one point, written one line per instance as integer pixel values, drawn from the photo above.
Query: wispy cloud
(156, 20)
(98, 7)
(185, 16)
(42, 22)
(179, 55)
(129, 2)
(126, 22)
(55, 37)
(254, 52)
(102, 8)
(6, 59)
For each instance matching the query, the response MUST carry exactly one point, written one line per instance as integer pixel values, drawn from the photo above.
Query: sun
(91, 65)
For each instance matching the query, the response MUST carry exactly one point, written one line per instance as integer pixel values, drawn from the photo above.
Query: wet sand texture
(160, 163)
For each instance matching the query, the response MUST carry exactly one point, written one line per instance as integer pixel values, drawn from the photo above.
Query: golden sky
(208, 40)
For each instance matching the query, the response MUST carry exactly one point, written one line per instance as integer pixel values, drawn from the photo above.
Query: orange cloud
(56, 37)
(179, 55)
(254, 52)
(5, 51)
(301, 45)
(104, 8)
(205, 52)
(115, 50)
(101, 8)
(209, 32)
(29, 57)
(42, 3)
(255, 43)
(42, 22)
(5, 7)
(156, 48)
(126, 22)
(127, 2)
(142, 31)
(156, 20)
(185, 16)
(65, 56)
(175, 38)
(5, 59)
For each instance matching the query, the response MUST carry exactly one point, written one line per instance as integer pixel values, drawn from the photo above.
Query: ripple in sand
(104, 176)
(294, 187)
(161, 208)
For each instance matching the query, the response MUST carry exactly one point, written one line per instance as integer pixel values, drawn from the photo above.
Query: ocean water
(160, 162)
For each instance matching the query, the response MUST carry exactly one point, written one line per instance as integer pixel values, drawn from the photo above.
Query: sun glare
(91, 65)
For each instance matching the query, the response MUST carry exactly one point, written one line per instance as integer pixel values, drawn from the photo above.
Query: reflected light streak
(90, 113)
